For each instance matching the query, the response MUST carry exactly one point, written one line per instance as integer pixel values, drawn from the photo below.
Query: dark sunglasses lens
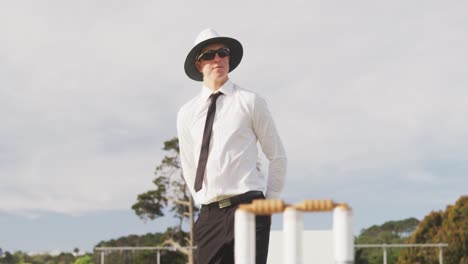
(209, 55)
(223, 53)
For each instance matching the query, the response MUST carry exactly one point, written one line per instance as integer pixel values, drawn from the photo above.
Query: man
(218, 132)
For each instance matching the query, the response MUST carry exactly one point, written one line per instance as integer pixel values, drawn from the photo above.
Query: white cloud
(368, 94)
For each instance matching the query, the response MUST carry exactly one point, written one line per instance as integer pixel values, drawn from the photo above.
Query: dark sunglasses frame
(211, 54)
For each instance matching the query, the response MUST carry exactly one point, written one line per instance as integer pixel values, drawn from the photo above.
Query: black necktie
(206, 142)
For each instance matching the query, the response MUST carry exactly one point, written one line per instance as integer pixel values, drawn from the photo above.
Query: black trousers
(214, 236)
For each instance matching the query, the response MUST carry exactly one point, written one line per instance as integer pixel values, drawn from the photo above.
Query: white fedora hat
(207, 37)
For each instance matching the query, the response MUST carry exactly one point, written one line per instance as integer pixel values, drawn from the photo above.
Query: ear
(198, 66)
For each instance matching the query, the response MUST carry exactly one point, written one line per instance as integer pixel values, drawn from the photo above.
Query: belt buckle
(224, 203)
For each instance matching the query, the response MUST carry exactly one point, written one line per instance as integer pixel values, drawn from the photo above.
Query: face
(215, 70)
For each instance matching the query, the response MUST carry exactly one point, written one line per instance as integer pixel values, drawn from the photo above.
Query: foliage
(171, 193)
(149, 239)
(87, 259)
(169, 187)
(389, 232)
(449, 226)
(142, 257)
(20, 257)
(9, 258)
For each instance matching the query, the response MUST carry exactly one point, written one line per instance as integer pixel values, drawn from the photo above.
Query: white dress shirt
(242, 119)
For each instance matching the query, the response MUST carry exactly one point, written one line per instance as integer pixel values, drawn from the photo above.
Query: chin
(219, 76)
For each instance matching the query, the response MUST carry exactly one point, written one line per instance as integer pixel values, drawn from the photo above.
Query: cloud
(364, 95)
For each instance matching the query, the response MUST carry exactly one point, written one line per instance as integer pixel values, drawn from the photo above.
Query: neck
(214, 85)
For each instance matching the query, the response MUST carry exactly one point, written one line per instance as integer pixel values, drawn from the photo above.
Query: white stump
(244, 237)
(293, 225)
(343, 241)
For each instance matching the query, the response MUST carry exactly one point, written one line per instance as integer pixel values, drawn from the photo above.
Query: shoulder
(254, 100)
(247, 95)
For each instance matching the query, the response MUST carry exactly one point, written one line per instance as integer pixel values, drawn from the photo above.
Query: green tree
(63, 258)
(449, 226)
(172, 193)
(387, 233)
(141, 257)
(87, 259)
(9, 258)
(20, 257)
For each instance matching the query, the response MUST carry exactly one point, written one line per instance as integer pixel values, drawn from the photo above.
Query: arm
(272, 147)
(186, 151)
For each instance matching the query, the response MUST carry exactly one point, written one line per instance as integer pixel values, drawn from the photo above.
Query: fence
(385, 246)
(107, 250)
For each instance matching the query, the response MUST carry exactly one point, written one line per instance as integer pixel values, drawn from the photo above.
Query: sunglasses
(211, 54)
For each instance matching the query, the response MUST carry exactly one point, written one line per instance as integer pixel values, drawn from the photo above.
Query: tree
(172, 193)
(389, 232)
(140, 257)
(9, 258)
(87, 259)
(62, 258)
(449, 226)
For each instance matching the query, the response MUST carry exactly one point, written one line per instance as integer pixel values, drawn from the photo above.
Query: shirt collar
(226, 89)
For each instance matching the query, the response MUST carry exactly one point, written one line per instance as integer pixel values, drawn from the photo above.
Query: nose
(217, 57)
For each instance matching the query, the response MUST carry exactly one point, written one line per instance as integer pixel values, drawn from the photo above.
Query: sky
(369, 98)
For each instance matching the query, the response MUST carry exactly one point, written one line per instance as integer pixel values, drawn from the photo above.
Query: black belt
(235, 200)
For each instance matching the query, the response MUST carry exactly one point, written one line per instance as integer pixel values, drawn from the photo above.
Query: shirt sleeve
(272, 147)
(186, 151)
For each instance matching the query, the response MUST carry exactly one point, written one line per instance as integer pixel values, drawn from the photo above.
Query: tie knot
(215, 96)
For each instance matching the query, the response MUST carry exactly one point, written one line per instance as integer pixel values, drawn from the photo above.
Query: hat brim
(234, 59)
